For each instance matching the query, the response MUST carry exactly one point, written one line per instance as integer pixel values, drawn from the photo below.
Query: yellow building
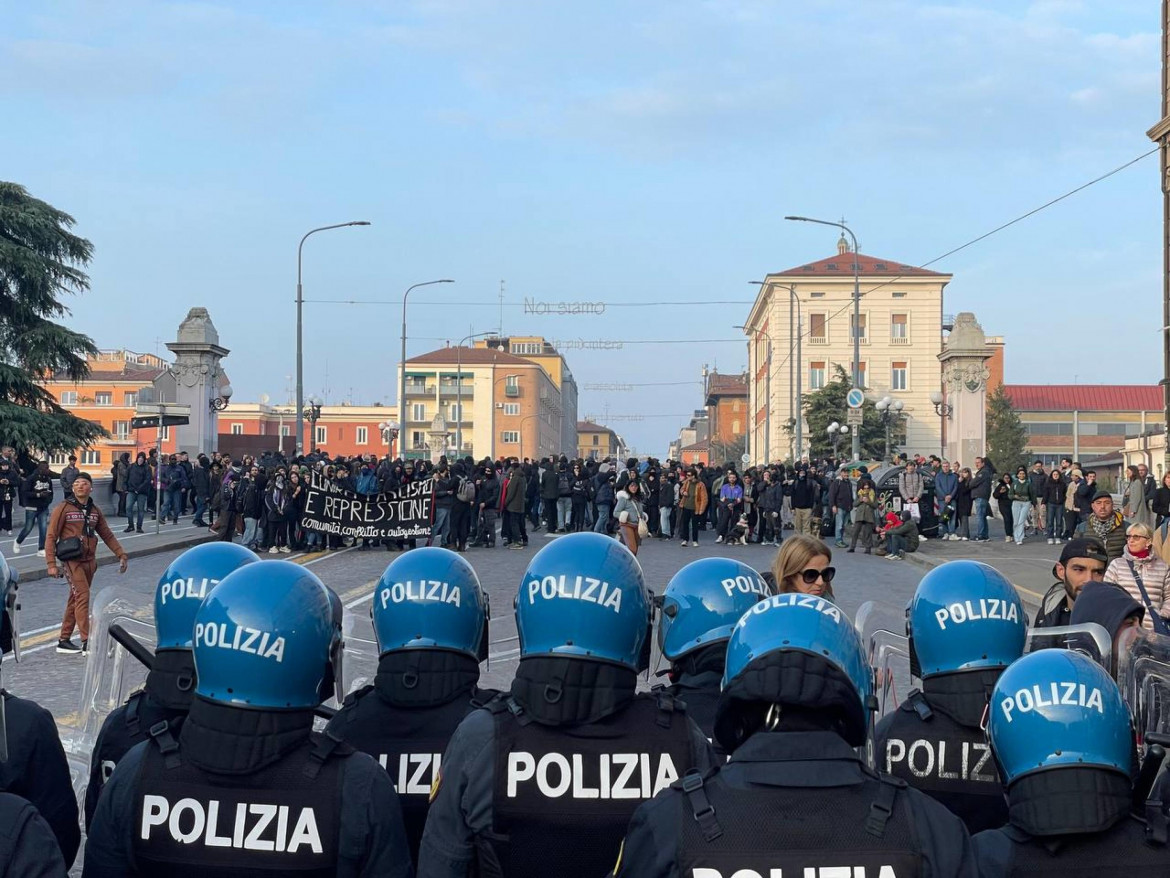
(901, 335)
(597, 442)
(539, 350)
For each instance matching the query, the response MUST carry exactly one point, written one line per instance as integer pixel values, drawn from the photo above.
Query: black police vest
(564, 796)
(949, 762)
(864, 831)
(701, 703)
(407, 742)
(1120, 850)
(282, 819)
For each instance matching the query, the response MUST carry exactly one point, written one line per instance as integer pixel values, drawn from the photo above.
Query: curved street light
(402, 361)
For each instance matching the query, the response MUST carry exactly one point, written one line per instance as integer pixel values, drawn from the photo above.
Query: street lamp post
(521, 433)
(495, 381)
(944, 410)
(459, 388)
(389, 433)
(890, 410)
(767, 394)
(300, 330)
(836, 430)
(312, 413)
(402, 361)
(795, 367)
(856, 313)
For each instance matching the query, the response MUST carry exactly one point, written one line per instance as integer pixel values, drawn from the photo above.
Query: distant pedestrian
(1023, 495)
(964, 503)
(1134, 505)
(1053, 498)
(36, 496)
(1002, 494)
(1161, 501)
(628, 511)
(864, 515)
(68, 475)
(138, 489)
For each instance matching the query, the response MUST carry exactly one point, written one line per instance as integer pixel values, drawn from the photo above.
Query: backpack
(466, 491)
(564, 486)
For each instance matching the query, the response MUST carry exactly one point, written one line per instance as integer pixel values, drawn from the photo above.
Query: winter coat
(121, 470)
(865, 512)
(1155, 574)
(201, 481)
(963, 499)
(36, 491)
(138, 478)
(693, 495)
(489, 492)
(1114, 538)
(667, 494)
(1134, 505)
(632, 508)
(1083, 496)
(514, 493)
(909, 531)
(910, 484)
(1053, 493)
(276, 504)
(9, 481)
(981, 483)
(1022, 491)
(1161, 502)
(604, 495)
(174, 476)
(946, 485)
(804, 493)
(841, 495)
(445, 488)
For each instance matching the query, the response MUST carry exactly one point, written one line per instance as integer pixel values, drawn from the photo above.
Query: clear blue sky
(620, 152)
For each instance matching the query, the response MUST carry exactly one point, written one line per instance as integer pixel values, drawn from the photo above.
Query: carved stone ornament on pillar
(965, 375)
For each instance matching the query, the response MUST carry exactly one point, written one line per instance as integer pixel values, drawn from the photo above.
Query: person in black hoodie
(487, 503)
(1113, 609)
(9, 482)
(36, 496)
(201, 487)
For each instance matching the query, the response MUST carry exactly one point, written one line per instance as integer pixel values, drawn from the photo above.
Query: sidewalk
(173, 536)
(1027, 567)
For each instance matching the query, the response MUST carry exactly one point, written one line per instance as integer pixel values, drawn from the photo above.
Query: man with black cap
(1082, 561)
(1105, 524)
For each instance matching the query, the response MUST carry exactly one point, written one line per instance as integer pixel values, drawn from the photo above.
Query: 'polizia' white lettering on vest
(578, 588)
(416, 772)
(423, 590)
(617, 775)
(1051, 695)
(253, 827)
(251, 640)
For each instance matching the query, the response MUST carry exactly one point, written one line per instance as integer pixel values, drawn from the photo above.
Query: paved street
(55, 680)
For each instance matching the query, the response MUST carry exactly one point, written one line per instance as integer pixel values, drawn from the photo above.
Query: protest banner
(401, 514)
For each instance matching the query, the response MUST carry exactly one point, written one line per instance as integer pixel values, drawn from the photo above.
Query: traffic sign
(746, 458)
(855, 398)
(152, 421)
(854, 417)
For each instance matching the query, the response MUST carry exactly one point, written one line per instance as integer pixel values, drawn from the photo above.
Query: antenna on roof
(500, 332)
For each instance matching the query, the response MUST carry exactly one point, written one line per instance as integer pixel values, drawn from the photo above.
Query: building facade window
(321, 434)
(596, 439)
(512, 381)
(285, 430)
(58, 458)
(818, 328)
(511, 408)
(91, 457)
(900, 329)
(416, 440)
(862, 333)
(527, 348)
(69, 397)
(862, 376)
(130, 399)
(121, 430)
(455, 412)
(363, 435)
(418, 411)
(816, 375)
(166, 437)
(103, 397)
(899, 379)
(510, 437)
(237, 429)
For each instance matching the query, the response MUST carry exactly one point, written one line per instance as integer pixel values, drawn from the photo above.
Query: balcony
(511, 390)
(417, 387)
(818, 339)
(899, 339)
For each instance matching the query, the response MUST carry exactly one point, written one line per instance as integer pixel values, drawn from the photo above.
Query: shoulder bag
(72, 548)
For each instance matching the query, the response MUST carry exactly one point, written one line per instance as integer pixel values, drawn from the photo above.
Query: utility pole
(1160, 134)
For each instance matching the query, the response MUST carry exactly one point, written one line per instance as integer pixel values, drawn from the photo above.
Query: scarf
(1103, 528)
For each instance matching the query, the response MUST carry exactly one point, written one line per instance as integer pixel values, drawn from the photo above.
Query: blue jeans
(603, 510)
(135, 503)
(842, 520)
(1020, 510)
(38, 517)
(200, 507)
(250, 532)
(172, 502)
(1054, 520)
(980, 509)
(949, 525)
(895, 544)
(564, 512)
(664, 520)
(442, 526)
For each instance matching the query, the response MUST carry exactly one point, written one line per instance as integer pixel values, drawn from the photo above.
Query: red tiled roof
(726, 385)
(1037, 441)
(470, 357)
(868, 266)
(590, 427)
(1085, 397)
(145, 376)
(698, 446)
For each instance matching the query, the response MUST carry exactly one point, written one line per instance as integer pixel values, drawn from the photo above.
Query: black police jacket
(611, 764)
(1119, 850)
(700, 693)
(27, 846)
(273, 805)
(799, 803)
(122, 729)
(37, 770)
(948, 761)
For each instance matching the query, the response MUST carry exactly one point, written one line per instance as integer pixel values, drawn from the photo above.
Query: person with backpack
(461, 508)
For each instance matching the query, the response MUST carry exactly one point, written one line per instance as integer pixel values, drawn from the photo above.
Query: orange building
(342, 430)
(109, 397)
(727, 416)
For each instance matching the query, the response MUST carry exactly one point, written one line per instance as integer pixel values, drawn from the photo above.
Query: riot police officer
(35, 767)
(794, 797)
(966, 624)
(543, 781)
(244, 787)
(170, 684)
(431, 622)
(27, 846)
(1063, 740)
(700, 606)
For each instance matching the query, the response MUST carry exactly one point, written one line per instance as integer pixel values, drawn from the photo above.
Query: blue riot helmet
(702, 603)
(186, 582)
(799, 652)
(430, 598)
(1058, 709)
(267, 637)
(583, 596)
(965, 616)
(9, 610)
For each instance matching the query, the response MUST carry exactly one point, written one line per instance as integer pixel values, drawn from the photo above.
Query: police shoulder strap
(882, 807)
(160, 734)
(1157, 823)
(327, 746)
(702, 810)
(505, 703)
(668, 706)
(916, 702)
(356, 694)
(133, 721)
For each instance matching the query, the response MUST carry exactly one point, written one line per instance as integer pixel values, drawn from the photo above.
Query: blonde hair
(793, 558)
(1138, 529)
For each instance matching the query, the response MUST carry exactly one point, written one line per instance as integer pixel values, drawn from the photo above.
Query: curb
(107, 559)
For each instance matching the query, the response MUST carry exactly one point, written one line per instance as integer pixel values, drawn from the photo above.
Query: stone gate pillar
(964, 376)
(198, 377)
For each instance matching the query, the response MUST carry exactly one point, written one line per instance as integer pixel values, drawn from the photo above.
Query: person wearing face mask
(966, 624)
(803, 565)
(276, 506)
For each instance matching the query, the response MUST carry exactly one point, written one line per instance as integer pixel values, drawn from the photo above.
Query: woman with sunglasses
(803, 565)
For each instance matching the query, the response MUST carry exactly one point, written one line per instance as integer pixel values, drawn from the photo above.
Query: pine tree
(40, 262)
(822, 407)
(1007, 440)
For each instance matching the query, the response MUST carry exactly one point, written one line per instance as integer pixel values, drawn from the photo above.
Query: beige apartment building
(901, 334)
